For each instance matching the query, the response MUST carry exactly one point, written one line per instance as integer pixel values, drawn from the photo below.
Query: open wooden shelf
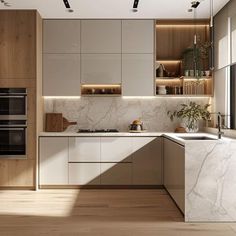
(101, 90)
(185, 86)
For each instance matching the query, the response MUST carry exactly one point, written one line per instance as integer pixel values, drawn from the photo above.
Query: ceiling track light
(6, 4)
(195, 4)
(67, 5)
(135, 5)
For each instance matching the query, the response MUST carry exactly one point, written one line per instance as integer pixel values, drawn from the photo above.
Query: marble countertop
(115, 134)
(173, 136)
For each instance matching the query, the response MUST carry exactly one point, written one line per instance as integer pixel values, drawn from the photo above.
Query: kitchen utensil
(54, 122)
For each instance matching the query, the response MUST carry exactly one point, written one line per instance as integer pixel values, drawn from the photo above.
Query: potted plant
(191, 113)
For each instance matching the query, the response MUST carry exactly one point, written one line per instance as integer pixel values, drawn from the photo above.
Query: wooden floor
(98, 212)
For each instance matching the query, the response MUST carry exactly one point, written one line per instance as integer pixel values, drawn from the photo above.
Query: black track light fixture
(6, 4)
(195, 4)
(135, 5)
(67, 5)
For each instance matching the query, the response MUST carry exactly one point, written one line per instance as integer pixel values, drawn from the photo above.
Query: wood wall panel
(17, 44)
(171, 41)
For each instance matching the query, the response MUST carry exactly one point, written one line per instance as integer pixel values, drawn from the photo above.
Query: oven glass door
(12, 105)
(13, 142)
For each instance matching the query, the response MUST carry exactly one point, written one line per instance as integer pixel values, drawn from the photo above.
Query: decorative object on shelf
(160, 71)
(161, 89)
(191, 114)
(101, 89)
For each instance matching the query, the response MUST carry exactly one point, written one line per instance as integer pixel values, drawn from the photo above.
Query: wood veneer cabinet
(20, 67)
(17, 44)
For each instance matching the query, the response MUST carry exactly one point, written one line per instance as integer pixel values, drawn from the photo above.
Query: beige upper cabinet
(101, 36)
(61, 75)
(101, 68)
(137, 36)
(137, 75)
(61, 36)
(221, 38)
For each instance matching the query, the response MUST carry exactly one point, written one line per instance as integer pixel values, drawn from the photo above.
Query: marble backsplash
(118, 112)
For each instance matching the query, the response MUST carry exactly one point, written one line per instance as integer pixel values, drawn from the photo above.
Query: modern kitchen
(118, 117)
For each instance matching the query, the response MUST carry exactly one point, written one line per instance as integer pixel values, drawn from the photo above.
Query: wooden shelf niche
(101, 89)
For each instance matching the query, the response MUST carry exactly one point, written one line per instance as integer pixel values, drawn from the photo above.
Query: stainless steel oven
(13, 139)
(13, 103)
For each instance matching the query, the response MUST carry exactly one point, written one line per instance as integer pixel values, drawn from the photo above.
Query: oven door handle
(12, 96)
(11, 128)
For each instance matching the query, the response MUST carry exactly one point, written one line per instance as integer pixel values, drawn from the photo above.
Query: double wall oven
(13, 122)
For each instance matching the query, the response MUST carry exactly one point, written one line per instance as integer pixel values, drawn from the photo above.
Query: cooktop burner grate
(98, 131)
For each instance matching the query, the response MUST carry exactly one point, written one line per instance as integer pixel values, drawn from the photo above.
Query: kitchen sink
(197, 138)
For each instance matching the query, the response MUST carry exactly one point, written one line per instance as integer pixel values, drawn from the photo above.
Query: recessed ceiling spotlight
(135, 6)
(6, 4)
(67, 5)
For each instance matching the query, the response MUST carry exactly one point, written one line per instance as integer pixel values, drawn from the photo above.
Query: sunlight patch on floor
(53, 203)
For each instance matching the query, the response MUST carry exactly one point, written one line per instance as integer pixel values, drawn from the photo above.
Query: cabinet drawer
(84, 173)
(53, 158)
(116, 173)
(84, 149)
(116, 149)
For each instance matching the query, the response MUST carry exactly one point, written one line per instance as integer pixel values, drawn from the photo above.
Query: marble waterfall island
(210, 180)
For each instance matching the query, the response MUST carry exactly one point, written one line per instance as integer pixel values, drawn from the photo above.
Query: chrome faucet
(219, 118)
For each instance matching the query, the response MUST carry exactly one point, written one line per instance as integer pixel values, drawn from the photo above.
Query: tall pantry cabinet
(20, 67)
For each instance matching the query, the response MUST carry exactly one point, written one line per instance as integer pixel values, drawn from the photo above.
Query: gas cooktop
(98, 131)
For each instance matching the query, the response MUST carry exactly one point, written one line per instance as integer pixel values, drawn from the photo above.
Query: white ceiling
(117, 8)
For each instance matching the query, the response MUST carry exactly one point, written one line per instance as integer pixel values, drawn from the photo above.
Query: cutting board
(55, 122)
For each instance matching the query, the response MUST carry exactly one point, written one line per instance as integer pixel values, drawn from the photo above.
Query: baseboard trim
(17, 188)
(101, 187)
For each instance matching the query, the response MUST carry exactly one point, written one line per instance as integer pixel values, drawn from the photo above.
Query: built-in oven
(13, 103)
(13, 139)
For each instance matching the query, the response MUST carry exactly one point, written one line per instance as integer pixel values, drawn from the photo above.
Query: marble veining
(119, 112)
(210, 181)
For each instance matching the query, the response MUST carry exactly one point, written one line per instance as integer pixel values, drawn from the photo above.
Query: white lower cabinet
(147, 161)
(100, 160)
(116, 173)
(84, 173)
(174, 171)
(83, 149)
(116, 149)
(53, 157)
